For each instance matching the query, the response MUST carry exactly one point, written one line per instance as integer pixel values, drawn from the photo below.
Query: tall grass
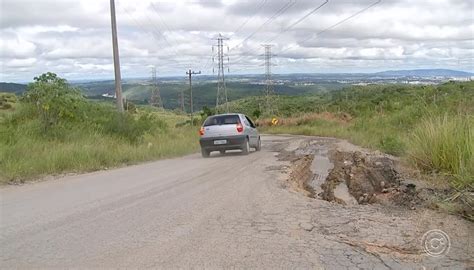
(445, 144)
(104, 140)
(31, 157)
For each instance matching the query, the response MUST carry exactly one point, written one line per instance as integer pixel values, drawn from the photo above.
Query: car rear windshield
(222, 120)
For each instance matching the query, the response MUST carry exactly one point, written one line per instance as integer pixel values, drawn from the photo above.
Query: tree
(206, 111)
(256, 113)
(53, 98)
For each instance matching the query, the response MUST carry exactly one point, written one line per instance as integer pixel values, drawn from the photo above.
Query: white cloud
(20, 63)
(16, 47)
(73, 37)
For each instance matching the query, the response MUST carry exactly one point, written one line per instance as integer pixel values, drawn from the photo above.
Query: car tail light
(201, 131)
(240, 128)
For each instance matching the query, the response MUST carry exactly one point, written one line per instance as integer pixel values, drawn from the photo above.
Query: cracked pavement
(227, 211)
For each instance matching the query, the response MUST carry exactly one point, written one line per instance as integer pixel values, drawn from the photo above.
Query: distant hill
(12, 87)
(425, 73)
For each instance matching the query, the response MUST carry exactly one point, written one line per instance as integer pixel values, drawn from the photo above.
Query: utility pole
(221, 88)
(155, 99)
(118, 79)
(190, 73)
(269, 91)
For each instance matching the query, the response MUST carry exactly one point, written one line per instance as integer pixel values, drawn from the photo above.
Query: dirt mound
(369, 179)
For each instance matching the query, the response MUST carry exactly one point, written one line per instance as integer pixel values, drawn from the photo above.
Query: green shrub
(257, 113)
(53, 98)
(128, 127)
(206, 112)
(5, 106)
(7, 101)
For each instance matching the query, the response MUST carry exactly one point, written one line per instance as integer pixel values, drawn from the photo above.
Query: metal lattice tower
(221, 87)
(181, 100)
(155, 99)
(269, 93)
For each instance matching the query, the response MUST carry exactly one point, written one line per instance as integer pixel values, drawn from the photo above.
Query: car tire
(246, 147)
(205, 153)
(259, 145)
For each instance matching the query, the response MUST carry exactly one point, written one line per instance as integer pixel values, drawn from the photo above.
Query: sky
(73, 37)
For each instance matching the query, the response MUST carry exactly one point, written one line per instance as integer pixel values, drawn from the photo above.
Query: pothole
(364, 178)
(320, 167)
(348, 178)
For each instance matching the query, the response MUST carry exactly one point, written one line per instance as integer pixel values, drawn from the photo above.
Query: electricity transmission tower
(181, 100)
(155, 99)
(190, 73)
(269, 93)
(221, 88)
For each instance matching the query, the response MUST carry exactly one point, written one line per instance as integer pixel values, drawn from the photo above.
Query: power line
(141, 26)
(135, 21)
(282, 10)
(157, 34)
(240, 27)
(298, 21)
(326, 29)
(247, 68)
(259, 7)
(336, 24)
(161, 19)
(291, 25)
(164, 23)
(209, 59)
(157, 29)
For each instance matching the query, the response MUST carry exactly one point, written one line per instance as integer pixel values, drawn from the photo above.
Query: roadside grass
(431, 127)
(440, 144)
(105, 139)
(445, 144)
(372, 133)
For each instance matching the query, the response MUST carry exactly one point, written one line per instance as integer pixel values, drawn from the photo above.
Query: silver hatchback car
(229, 131)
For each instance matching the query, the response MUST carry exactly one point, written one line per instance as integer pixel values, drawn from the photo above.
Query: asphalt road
(227, 211)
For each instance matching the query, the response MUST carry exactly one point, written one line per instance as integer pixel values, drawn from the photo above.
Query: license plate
(220, 141)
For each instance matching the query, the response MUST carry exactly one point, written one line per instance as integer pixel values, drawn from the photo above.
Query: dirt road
(221, 212)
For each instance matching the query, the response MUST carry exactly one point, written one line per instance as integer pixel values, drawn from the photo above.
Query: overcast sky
(73, 38)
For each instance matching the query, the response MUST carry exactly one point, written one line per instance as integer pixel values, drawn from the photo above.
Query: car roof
(224, 114)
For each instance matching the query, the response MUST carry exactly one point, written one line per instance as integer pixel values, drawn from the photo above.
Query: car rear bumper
(233, 142)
